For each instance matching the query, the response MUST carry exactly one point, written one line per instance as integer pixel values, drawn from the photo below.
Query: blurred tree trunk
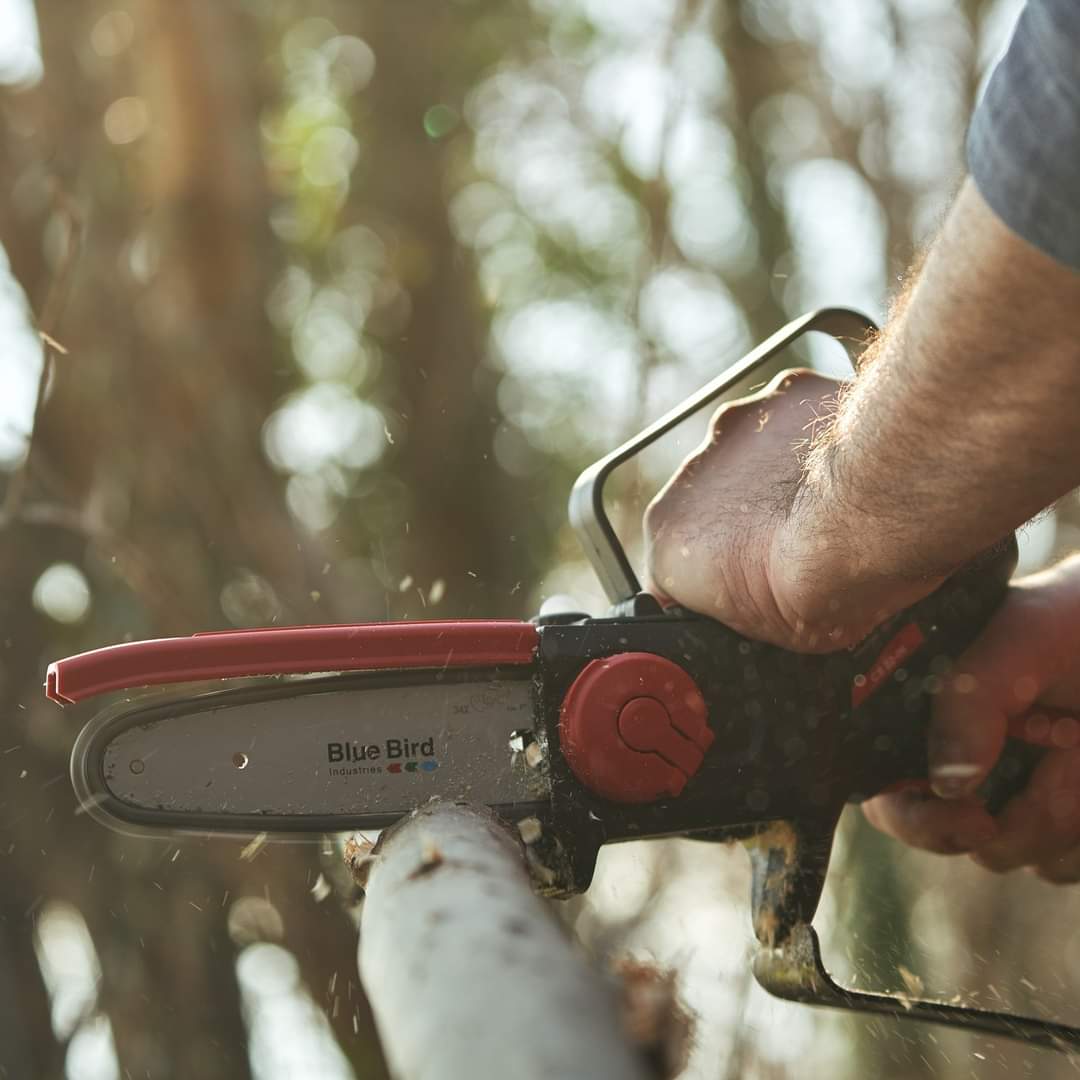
(27, 1046)
(152, 432)
(757, 70)
(466, 514)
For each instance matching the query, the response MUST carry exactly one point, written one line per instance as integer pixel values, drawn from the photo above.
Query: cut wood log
(468, 974)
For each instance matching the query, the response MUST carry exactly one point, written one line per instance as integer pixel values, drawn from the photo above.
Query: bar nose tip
(52, 686)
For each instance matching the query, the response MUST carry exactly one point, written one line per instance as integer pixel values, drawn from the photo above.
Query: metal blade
(317, 755)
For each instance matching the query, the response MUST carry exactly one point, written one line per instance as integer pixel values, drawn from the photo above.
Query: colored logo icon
(413, 766)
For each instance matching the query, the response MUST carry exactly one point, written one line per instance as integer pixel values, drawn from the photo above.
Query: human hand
(1021, 677)
(745, 534)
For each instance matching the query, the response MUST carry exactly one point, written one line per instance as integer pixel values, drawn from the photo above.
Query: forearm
(966, 420)
(961, 425)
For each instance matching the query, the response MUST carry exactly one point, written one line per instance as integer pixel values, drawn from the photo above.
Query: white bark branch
(468, 975)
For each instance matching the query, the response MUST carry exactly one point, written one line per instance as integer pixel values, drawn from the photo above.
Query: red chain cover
(291, 650)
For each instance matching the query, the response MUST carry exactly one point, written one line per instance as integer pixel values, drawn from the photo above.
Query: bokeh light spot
(112, 34)
(440, 120)
(62, 593)
(329, 157)
(253, 918)
(249, 600)
(351, 64)
(324, 424)
(126, 120)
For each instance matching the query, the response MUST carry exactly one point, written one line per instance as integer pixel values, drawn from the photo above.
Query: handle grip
(899, 669)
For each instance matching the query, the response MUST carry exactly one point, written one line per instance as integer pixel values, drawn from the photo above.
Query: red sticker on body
(898, 649)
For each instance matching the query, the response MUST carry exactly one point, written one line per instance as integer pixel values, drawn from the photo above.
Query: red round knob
(634, 728)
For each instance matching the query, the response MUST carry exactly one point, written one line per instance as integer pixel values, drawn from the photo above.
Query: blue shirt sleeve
(1024, 143)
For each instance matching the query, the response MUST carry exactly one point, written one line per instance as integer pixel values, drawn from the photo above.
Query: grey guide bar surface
(587, 513)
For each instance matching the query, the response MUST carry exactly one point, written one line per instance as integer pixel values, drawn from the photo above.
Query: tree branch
(468, 974)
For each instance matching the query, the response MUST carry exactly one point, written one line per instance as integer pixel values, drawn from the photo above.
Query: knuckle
(874, 811)
(995, 864)
(998, 860)
(901, 815)
(722, 420)
(942, 841)
(1058, 875)
(653, 519)
(663, 517)
(1064, 869)
(1063, 810)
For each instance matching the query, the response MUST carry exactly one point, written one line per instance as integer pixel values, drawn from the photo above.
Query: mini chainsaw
(645, 722)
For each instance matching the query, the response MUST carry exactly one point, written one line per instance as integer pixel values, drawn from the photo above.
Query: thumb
(996, 680)
(967, 733)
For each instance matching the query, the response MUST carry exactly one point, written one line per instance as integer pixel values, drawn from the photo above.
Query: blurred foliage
(360, 289)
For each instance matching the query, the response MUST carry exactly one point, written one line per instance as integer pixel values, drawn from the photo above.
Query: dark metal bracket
(789, 861)
(794, 971)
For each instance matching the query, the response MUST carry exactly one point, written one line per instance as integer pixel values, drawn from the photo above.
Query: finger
(1023, 839)
(1061, 870)
(920, 819)
(997, 679)
(1021, 656)
(1041, 824)
(807, 394)
(709, 529)
(650, 585)
(967, 733)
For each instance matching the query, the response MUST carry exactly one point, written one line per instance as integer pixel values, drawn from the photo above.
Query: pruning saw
(645, 722)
